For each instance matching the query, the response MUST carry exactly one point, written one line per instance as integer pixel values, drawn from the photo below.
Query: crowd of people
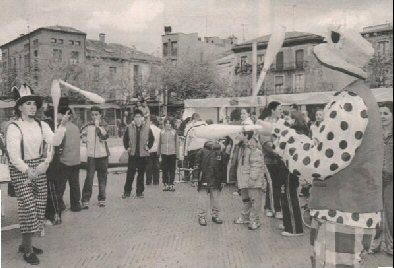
(343, 158)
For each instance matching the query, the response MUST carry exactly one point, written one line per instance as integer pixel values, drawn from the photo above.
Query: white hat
(345, 51)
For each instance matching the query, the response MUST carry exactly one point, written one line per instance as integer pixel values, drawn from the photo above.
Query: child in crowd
(250, 176)
(211, 171)
(168, 148)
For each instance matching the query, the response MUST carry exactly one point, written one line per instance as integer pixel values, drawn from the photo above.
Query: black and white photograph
(196, 134)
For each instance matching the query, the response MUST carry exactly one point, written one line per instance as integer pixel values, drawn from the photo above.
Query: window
(35, 53)
(165, 49)
(71, 42)
(96, 72)
(244, 61)
(112, 71)
(57, 55)
(299, 58)
(260, 58)
(279, 83)
(26, 46)
(78, 43)
(53, 40)
(174, 48)
(74, 57)
(136, 74)
(26, 60)
(384, 47)
(60, 41)
(35, 78)
(173, 62)
(35, 42)
(279, 61)
(299, 83)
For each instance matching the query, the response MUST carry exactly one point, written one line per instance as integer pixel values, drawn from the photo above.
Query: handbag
(4, 173)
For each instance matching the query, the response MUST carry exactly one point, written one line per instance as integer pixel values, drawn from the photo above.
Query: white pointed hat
(345, 51)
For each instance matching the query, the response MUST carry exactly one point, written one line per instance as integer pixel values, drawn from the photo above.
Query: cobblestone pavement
(160, 230)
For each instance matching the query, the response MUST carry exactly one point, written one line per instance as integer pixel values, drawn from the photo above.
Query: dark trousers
(168, 166)
(101, 166)
(52, 209)
(278, 174)
(292, 218)
(53, 205)
(70, 174)
(152, 169)
(191, 160)
(135, 164)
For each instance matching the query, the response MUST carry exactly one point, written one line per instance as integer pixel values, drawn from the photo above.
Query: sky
(141, 22)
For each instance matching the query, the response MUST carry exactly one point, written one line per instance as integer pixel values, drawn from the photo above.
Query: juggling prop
(274, 45)
(216, 131)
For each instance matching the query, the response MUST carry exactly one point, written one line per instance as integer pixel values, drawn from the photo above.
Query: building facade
(295, 69)
(58, 52)
(179, 48)
(380, 68)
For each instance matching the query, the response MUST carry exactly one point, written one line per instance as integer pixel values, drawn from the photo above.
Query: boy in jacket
(211, 170)
(96, 135)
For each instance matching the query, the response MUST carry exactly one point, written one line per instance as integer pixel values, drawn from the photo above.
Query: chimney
(167, 29)
(102, 37)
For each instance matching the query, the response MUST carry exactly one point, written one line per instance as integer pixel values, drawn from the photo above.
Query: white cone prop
(217, 131)
(274, 45)
(56, 93)
(89, 95)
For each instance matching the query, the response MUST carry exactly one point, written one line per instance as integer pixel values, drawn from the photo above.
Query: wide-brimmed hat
(24, 94)
(345, 51)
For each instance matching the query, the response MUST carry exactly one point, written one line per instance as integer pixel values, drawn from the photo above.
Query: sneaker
(241, 220)
(31, 258)
(48, 223)
(101, 204)
(254, 226)
(165, 188)
(124, 196)
(278, 215)
(217, 220)
(202, 221)
(269, 213)
(85, 205)
(172, 188)
(287, 234)
(36, 251)
(281, 226)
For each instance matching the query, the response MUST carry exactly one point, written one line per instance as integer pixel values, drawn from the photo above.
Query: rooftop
(378, 28)
(98, 49)
(56, 28)
(289, 36)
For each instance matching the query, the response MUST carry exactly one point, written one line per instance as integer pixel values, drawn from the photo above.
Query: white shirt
(32, 141)
(156, 133)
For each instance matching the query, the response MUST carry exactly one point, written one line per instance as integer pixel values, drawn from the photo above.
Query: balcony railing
(286, 66)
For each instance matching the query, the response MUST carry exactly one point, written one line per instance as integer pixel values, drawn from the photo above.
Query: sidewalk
(160, 230)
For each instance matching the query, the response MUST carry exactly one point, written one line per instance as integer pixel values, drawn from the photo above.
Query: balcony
(289, 66)
(285, 67)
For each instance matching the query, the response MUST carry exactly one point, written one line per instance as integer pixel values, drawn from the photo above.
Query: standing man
(97, 151)
(137, 140)
(70, 159)
(153, 167)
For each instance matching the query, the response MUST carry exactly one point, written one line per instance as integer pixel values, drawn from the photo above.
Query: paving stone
(160, 231)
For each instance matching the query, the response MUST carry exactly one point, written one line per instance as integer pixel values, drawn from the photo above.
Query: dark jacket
(210, 162)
